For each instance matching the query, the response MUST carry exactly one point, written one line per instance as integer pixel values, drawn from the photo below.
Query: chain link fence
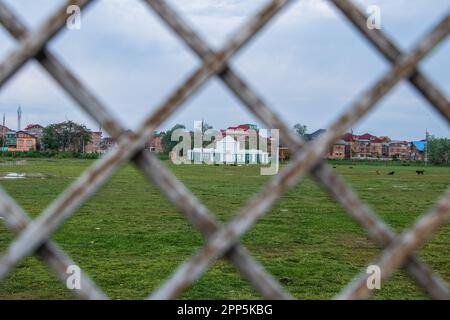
(33, 236)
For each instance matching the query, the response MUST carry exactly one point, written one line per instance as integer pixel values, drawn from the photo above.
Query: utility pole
(3, 133)
(202, 142)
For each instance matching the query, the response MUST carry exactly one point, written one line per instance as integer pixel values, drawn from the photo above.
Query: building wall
(399, 150)
(36, 131)
(228, 150)
(417, 154)
(25, 141)
(94, 144)
(284, 153)
(366, 149)
(26, 144)
(337, 151)
(155, 145)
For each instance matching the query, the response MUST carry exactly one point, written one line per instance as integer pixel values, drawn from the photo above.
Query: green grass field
(129, 238)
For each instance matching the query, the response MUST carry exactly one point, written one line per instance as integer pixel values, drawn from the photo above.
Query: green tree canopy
(438, 150)
(66, 136)
(300, 129)
(166, 139)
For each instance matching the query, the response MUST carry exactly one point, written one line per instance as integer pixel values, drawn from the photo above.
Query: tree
(65, 136)
(206, 126)
(166, 139)
(438, 150)
(300, 129)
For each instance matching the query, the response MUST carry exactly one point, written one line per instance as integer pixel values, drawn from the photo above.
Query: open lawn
(129, 239)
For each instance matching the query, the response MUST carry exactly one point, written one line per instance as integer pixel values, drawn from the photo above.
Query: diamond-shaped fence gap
(392, 186)
(33, 280)
(304, 80)
(148, 61)
(41, 100)
(222, 18)
(226, 184)
(128, 237)
(314, 248)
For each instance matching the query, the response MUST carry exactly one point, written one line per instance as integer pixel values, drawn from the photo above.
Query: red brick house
(399, 150)
(363, 146)
(155, 144)
(418, 150)
(337, 150)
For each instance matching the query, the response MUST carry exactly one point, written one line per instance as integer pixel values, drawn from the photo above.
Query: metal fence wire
(33, 236)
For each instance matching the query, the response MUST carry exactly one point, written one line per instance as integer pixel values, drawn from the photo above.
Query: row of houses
(367, 146)
(231, 148)
(22, 140)
(233, 145)
(29, 138)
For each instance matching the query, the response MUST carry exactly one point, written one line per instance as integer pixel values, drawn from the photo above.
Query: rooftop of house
(27, 133)
(366, 137)
(419, 145)
(398, 142)
(32, 126)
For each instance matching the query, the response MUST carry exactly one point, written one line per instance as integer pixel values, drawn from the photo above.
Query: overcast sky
(308, 64)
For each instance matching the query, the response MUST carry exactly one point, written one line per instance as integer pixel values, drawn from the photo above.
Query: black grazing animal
(420, 171)
(391, 173)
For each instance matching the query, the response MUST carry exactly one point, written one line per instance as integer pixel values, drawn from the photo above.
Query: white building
(228, 150)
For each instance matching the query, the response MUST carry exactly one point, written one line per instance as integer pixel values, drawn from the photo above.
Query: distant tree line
(438, 150)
